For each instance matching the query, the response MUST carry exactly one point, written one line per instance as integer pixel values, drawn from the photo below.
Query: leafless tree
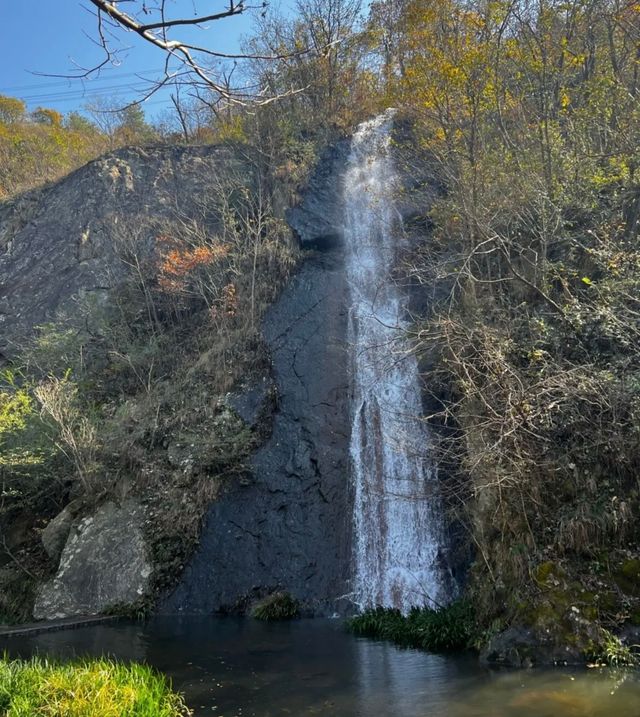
(104, 114)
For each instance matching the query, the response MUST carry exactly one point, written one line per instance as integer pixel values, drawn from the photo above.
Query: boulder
(520, 646)
(254, 402)
(55, 534)
(104, 563)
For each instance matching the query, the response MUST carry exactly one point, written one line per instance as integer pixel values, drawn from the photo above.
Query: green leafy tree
(47, 116)
(12, 109)
(133, 127)
(21, 441)
(76, 122)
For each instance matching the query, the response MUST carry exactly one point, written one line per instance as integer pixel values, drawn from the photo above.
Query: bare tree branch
(192, 66)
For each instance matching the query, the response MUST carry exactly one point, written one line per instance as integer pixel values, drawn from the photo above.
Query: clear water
(398, 560)
(243, 668)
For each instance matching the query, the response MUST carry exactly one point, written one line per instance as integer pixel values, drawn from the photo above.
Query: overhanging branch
(191, 57)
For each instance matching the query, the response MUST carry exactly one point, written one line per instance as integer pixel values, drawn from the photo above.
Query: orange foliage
(227, 307)
(230, 300)
(178, 263)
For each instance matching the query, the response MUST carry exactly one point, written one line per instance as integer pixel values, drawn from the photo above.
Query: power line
(90, 92)
(120, 94)
(66, 83)
(82, 94)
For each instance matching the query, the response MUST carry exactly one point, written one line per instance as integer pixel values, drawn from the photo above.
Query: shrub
(608, 649)
(450, 628)
(278, 606)
(86, 688)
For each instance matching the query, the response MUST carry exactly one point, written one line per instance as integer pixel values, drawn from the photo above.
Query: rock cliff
(60, 243)
(289, 527)
(285, 524)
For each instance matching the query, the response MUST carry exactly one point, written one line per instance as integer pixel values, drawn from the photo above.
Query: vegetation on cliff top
(44, 145)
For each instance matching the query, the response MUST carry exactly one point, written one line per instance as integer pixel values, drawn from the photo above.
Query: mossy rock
(608, 601)
(547, 614)
(587, 597)
(548, 574)
(591, 604)
(277, 606)
(627, 577)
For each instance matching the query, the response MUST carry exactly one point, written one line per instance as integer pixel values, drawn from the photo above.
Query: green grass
(610, 650)
(85, 688)
(451, 628)
(278, 606)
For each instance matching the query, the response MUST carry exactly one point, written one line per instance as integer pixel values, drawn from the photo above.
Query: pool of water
(243, 668)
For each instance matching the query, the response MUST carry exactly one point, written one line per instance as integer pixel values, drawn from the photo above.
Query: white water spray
(397, 531)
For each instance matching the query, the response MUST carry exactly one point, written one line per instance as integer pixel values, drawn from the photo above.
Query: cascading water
(397, 530)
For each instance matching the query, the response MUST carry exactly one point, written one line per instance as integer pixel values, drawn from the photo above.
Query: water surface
(243, 668)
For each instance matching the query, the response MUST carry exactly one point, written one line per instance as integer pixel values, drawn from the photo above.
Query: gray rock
(55, 534)
(317, 219)
(104, 563)
(254, 401)
(64, 242)
(630, 635)
(525, 647)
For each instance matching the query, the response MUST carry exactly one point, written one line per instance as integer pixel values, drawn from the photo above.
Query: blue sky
(54, 37)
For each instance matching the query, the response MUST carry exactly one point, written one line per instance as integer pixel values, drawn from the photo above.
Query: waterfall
(396, 519)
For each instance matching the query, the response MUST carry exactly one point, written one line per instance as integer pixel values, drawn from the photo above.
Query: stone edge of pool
(34, 628)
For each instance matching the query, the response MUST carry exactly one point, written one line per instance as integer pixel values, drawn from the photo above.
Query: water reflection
(243, 668)
(125, 641)
(553, 694)
(410, 680)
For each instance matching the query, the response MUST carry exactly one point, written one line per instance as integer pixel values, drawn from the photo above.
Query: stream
(234, 667)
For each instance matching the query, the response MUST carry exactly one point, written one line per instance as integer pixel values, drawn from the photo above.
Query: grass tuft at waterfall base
(85, 688)
(450, 628)
(277, 606)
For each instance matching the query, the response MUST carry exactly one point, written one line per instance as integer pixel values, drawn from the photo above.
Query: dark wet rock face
(289, 528)
(318, 219)
(60, 244)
